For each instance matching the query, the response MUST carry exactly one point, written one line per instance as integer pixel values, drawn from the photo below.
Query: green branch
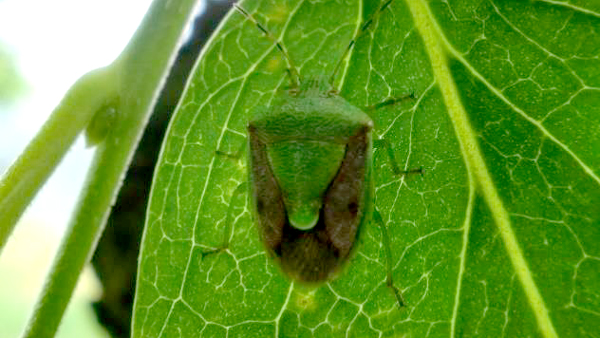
(33, 167)
(134, 79)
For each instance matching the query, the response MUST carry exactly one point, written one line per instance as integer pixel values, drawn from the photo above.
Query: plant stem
(33, 167)
(142, 67)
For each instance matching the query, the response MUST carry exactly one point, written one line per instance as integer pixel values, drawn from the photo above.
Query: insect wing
(346, 199)
(267, 199)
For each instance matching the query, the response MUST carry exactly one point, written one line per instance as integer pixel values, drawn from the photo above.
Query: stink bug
(310, 172)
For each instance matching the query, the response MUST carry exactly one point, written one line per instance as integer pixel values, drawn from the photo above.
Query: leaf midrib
(435, 42)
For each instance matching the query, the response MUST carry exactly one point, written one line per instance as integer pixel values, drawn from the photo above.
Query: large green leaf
(500, 235)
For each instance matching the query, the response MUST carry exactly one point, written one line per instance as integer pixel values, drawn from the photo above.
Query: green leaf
(497, 238)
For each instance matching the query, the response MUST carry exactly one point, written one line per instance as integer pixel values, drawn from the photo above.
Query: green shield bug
(310, 172)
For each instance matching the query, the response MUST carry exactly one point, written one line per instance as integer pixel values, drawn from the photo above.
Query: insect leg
(388, 257)
(234, 156)
(291, 69)
(241, 188)
(383, 143)
(390, 102)
(227, 232)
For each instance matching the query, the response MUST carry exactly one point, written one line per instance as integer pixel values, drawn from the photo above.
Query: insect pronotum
(310, 172)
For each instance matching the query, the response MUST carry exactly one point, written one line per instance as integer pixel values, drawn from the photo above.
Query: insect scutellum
(312, 185)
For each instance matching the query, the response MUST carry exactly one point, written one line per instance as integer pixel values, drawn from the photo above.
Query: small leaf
(497, 238)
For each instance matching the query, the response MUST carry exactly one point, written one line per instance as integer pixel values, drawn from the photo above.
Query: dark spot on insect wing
(260, 206)
(353, 208)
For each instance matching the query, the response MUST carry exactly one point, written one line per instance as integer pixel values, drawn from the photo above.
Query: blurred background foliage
(13, 85)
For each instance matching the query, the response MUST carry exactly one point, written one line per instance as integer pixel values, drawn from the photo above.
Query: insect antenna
(362, 30)
(291, 69)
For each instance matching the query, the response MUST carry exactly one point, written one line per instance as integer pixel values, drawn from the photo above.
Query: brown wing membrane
(314, 255)
(270, 209)
(308, 256)
(343, 205)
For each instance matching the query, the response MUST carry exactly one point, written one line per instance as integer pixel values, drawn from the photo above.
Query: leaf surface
(500, 235)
